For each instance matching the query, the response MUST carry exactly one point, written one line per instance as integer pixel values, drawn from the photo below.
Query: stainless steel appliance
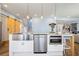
(40, 43)
(17, 36)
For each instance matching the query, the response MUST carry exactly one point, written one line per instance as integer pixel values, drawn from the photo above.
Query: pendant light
(55, 11)
(41, 11)
(55, 19)
(28, 17)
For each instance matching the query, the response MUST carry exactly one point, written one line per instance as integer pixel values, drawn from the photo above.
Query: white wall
(41, 25)
(4, 28)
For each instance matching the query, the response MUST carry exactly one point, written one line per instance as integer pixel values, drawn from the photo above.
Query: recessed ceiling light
(5, 6)
(28, 17)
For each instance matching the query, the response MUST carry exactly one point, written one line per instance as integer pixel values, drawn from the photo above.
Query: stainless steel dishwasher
(40, 43)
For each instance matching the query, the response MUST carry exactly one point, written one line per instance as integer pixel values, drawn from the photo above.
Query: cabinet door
(13, 25)
(17, 27)
(10, 25)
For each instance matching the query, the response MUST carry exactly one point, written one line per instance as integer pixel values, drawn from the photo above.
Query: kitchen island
(56, 46)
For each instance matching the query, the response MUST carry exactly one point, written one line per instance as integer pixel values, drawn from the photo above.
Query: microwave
(55, 39)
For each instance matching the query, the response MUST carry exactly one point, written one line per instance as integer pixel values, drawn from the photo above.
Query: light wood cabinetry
(76, 49)
(10, 24)
(70, 43)
(13, 26)
(76, 45)
(17, 27)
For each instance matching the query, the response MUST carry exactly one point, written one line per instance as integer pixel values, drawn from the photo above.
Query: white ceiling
(45, 9)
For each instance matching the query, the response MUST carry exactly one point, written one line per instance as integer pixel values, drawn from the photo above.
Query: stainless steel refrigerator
(40, 43)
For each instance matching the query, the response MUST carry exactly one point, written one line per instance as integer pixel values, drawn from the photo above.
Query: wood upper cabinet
(10, 24)
(17, 27)
(13, 26)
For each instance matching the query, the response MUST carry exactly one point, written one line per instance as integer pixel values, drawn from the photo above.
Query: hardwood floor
(4, 48)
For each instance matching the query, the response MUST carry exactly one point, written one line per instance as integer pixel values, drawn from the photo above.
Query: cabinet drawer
(55, 48)
(22, 46)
